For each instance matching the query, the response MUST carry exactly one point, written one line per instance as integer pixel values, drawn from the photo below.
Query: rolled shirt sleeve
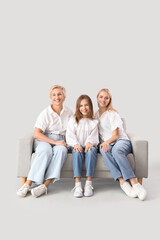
(41, 122)
(115, 120)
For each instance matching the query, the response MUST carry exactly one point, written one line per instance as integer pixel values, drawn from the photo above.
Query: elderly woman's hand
(61, 143)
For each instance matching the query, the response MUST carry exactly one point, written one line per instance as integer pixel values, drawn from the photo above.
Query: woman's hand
(104, 146)
(61, 143)
(38, 134)
(77, 148)
(88, 146)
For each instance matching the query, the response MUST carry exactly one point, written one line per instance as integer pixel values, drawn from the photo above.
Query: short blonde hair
(109, 107)
(57, 86)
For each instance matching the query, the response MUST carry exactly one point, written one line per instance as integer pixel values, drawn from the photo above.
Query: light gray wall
(85, 46)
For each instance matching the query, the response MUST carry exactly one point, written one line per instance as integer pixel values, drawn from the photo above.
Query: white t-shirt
(50, 122)
(108, 122)
(82, 133)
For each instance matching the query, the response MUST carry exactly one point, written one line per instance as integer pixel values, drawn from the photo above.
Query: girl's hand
(104, 146)
(77, 148)
(61, 143)
(88, 146)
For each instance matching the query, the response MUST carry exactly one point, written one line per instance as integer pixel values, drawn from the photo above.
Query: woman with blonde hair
(115, 146)
(49, 144)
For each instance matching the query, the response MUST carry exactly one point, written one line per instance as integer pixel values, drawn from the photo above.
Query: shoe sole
(143, 198)
(33, 194)
(78, 196)
(88, 195)
(36, 195)
(21, 195)
(133, 196)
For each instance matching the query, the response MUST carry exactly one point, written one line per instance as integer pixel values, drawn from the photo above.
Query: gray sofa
(138, 159)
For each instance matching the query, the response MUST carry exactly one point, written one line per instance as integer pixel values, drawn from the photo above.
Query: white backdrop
(84, 46)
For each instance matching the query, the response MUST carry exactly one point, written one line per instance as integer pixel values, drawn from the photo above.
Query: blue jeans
(48, 161)
(116, 159)
(90, 161)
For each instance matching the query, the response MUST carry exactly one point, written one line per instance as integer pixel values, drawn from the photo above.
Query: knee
(60, 149)
(75, 152)
(117, 151)
(101, 151)
(44, 148)
(92, 151)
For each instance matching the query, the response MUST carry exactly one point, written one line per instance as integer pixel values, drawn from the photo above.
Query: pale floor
(109, 214)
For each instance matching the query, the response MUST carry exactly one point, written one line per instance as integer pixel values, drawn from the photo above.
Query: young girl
(82, 136)
(115, 146)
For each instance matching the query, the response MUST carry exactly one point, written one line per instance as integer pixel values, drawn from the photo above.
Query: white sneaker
(141, 192)
(38, 191)
(78, 192)
(129, 191)
(88, 190)
(22, 191)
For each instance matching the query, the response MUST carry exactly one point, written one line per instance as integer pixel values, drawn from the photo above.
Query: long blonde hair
(109, 107)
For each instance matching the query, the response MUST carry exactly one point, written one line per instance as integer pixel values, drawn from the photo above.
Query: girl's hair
(78, 114)
(57, 86)
(109, 106)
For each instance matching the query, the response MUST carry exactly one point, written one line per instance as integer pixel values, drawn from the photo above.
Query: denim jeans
(116, 159)
(90, 161)
(48, 161)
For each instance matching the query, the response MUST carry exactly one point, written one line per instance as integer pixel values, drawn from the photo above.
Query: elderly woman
(50, 146)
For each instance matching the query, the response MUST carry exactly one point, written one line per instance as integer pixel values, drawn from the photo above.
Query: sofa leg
(23, 180)
(140, 180)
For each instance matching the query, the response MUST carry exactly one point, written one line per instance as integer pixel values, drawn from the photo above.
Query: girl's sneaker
(38, 191)
(129, 191)
(22, 191)
(78, 192)
(141, 192)
(88, 189)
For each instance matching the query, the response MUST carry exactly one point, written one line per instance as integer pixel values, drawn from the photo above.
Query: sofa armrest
(25, 149)
(140, 152)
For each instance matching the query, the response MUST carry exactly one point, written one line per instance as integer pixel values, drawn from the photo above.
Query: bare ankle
(133, 181)
(29, 182)
(77, 179)
(121, 180)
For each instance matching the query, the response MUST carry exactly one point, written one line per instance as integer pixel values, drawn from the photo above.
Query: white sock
(78, 184)
(88, 182)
